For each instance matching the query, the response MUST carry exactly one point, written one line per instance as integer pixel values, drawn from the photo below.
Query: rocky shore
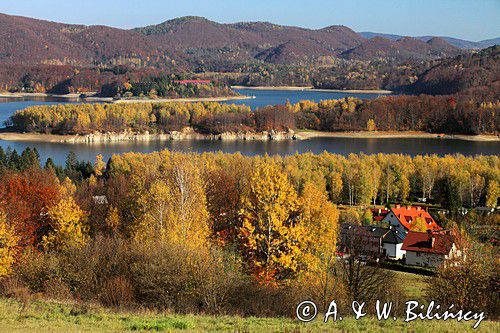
(186, 134)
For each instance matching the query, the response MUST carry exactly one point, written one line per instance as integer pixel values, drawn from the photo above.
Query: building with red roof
(403, 218)
(194, 82)
(429, 249)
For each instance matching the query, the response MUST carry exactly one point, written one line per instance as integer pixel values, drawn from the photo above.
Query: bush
(117, 292)
(89, 271)
(35, 270)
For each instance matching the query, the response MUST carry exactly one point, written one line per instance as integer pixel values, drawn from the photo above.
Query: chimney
(398, 206)
(432, 238)
(408, 207)
(419, 208)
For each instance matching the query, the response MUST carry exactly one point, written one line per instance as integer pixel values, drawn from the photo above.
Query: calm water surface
(344, 146)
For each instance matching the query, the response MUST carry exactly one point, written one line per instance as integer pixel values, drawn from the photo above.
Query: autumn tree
(99, 166)
(271, 239)
(174, 207)
(367, 217)
(492, 194)
(68, 228)
(469, 281)
(419, 225)
(25, 198)
(320, 220)
(8, 246)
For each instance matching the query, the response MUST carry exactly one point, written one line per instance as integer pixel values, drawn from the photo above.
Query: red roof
(193, 81)
(429, 242)
(408, 214)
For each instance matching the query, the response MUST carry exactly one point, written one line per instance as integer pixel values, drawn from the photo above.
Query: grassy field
(56, 317)
(414, 285)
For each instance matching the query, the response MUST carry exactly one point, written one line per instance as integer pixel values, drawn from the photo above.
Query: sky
(468, 19)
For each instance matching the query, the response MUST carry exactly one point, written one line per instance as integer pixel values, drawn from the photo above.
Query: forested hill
(193, 40)
(42, 56)
(474, 73)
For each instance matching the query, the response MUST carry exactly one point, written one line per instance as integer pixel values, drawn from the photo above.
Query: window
(419, 254)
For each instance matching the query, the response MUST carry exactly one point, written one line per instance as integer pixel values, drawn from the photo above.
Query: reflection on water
(343, 146)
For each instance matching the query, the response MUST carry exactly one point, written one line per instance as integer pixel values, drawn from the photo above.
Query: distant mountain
(460, 43)
(247, 41)
(403, 49)
(31, 41)
(478, 73)
(196, 43)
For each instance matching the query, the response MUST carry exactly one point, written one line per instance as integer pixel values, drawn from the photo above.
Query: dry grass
(44, 316)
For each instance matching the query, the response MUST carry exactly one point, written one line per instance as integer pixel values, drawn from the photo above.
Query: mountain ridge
(457, 42)
(195, 42)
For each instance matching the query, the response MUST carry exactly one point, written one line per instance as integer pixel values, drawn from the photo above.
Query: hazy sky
(468, 19)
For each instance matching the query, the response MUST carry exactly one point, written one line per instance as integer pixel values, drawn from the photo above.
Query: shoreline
(183, 100)
(309, 88)
(76, 97)
(248, 136)
(68, 97)
(305, 135)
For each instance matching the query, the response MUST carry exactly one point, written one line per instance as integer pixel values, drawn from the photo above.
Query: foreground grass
(414, 285)
(42, 316)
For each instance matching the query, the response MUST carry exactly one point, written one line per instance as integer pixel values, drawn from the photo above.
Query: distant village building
(402, 218)
(373, 242)
(194, 82)
(379, 214)
(100, 200)
(429, 249)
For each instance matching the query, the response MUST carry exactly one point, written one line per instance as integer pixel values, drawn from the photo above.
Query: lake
(344, 146)
(274, 97)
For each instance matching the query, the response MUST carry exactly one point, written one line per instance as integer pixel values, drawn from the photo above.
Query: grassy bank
(44, 316)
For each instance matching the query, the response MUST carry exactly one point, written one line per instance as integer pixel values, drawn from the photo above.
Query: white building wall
(394, 251)
(424, 259)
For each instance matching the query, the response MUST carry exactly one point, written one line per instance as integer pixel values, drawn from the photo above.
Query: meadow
(51, 316)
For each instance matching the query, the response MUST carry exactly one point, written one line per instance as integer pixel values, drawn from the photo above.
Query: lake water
(345, 146)
(274, 97)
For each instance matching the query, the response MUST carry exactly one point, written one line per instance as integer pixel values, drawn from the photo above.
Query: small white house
(428, 249)
(392, 244)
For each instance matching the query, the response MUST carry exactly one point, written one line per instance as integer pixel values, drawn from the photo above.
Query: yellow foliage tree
(370, 125)
(99, 166)
(419, 225)
(113, 220)
(174, 208)
(67, 221)
(321, 220)
(8, 243)
(492, 194)
(271, 238)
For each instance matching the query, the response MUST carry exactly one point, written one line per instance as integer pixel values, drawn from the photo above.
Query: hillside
(400, 50)
(476, 73)
(190, 42)
(457, 42)
(30, 41)
(245, 53)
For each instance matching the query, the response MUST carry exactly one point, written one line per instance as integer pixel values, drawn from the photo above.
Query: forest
(434, 114)
(227, 234)
(474, 74)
